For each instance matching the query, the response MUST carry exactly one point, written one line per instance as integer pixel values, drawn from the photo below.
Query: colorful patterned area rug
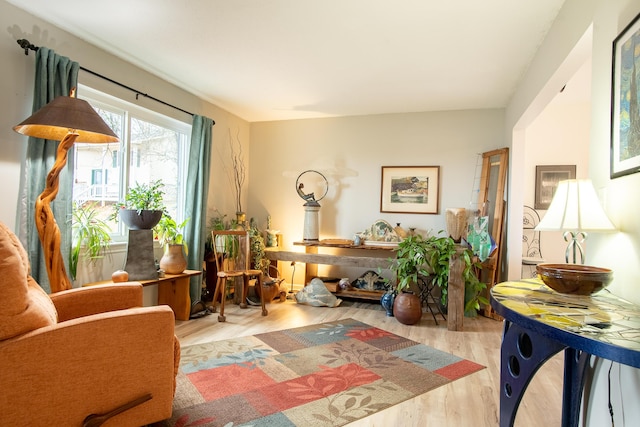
(321, 375)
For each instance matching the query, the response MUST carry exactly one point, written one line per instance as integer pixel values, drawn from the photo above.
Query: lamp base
(575, 238)
(48, 230)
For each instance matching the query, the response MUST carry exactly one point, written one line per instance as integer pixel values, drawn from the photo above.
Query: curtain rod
(27, 46)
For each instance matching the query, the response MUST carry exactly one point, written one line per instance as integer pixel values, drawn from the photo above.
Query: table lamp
(575, 209)
(66, 119)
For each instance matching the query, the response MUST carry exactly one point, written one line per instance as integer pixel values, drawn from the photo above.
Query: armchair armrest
(91, 365)
(79, 302)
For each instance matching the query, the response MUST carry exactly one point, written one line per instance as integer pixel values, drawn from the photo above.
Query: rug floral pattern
(321, 375)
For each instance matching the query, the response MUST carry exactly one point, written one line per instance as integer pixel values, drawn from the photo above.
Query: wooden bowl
(574, 279)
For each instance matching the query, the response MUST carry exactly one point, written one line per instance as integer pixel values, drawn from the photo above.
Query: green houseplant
(168, 232)
(418, 256)
(90, 239)
(143, 206)
(258, 256)
(410, 264)
(169, 235)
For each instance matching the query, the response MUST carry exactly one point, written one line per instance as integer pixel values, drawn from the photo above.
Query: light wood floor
(470, 401)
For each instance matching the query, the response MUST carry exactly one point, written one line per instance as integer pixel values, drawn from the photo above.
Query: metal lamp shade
(63, 115)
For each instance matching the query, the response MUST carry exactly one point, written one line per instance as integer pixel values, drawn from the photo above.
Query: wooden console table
(540, 323)
(173, 290)
(358, 257)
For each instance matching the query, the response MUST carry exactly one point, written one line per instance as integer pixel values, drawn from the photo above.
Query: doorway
(554, 130)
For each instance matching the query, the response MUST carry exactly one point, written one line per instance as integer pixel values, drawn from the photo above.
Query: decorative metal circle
(311, 197)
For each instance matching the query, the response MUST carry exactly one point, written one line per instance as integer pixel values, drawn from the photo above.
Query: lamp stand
(48, 230)
(575, 238)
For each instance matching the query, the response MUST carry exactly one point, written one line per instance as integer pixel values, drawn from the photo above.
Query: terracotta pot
(173, 260)
(407, 308)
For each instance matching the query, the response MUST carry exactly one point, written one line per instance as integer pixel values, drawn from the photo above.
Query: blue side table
(540, 322)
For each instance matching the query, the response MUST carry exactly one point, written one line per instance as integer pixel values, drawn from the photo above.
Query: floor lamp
(66, 119)
(576, 210)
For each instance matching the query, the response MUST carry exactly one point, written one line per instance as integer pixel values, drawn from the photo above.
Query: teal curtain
(55, 76)
(196, 203)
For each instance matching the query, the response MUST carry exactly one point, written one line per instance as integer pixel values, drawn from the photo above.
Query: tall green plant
(219, 222)
(429, 257)
(411, 261)
(90, 236)
(258, 255)
(167, 231)
(142, 197)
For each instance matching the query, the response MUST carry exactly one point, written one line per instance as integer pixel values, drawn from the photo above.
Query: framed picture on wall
(625, 105)
(410, 189)
(547, 179)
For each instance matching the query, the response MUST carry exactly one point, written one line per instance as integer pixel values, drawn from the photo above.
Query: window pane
(97, 173)
(155, 155)
(152, 147)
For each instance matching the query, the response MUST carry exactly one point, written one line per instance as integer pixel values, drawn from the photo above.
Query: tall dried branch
(239, 171)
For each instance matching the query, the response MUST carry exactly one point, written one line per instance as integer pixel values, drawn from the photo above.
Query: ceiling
(289, 59)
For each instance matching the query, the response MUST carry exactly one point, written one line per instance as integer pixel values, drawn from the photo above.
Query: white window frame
(112, 103)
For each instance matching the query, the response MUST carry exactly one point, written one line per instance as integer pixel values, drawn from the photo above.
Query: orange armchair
(80, 352)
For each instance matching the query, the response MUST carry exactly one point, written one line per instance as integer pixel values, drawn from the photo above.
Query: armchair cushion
(79, 302)
(24, 306)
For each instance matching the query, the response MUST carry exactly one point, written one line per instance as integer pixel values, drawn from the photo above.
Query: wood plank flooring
(470, 401)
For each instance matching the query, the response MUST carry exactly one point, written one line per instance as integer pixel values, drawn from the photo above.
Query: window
(151, 147)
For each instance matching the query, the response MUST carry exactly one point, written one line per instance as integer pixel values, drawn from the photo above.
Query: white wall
(357, 148)
(558, 136)
(553, 65)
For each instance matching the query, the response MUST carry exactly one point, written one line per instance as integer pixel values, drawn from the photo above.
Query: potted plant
(258, 257)
(169, 235)
(260, 262)
(440, 249)
(142, 207)
(410, 263)
(429, 257)
(90, 239)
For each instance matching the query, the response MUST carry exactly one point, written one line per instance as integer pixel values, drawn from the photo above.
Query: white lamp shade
(575, 206)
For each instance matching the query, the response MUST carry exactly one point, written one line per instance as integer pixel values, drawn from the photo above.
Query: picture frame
(625, 103)
(547, 179)
(410, 189)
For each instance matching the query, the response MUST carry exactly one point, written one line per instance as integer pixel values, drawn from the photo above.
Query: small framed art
(410, 189)
(547, 179)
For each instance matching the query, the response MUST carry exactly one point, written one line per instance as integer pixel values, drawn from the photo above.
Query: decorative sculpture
(311, 205)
